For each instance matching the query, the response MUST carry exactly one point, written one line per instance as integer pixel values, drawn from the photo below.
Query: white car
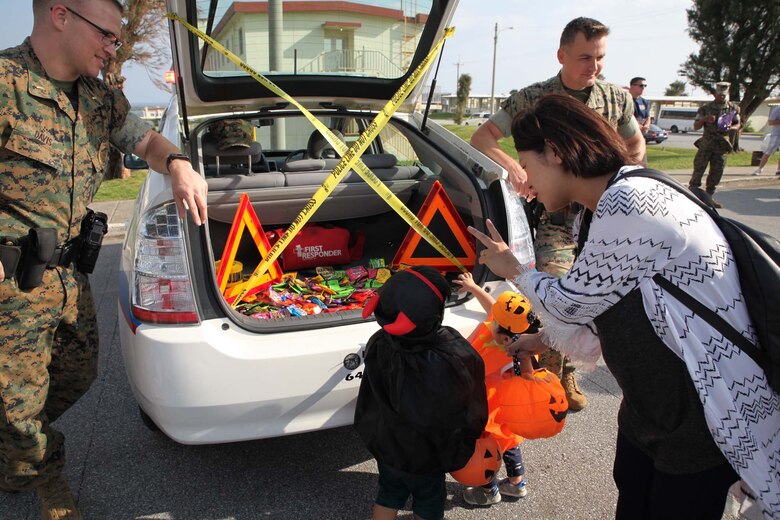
(204, 372)
(477, 119)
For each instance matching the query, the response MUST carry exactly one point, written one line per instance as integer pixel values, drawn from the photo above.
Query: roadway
(750, 142)
(120, 470)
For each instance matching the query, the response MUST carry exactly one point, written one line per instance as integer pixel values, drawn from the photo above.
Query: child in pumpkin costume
(505, 324)
(422, 403)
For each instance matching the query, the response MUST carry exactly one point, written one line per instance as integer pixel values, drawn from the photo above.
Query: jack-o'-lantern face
(482, 465)
(533, 408)
(512, 311)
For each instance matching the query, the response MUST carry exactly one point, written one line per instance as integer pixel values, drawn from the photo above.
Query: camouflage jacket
(52, 160)
(712, 137)
(611, 101)
(553, 244)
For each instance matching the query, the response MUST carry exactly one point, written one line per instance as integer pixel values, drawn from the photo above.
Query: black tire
(148, 422)
(674, 129)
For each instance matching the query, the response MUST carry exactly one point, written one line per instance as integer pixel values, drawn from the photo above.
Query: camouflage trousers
(554, 248)
(717, 162)
(48, 360)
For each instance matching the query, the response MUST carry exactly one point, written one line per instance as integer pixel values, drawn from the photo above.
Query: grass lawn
(659, 156)
(121, 189)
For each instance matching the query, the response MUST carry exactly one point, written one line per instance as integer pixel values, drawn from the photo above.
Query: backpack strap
(683, 297)
(714, 320)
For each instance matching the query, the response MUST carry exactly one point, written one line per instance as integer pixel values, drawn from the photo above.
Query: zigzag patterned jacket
(642, 227)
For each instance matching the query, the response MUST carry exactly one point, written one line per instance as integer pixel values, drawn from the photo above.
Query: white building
(322, 37)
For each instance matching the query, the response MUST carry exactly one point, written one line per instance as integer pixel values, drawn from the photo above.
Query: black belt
(65, 254)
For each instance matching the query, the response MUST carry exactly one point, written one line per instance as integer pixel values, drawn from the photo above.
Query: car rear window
(374, 38)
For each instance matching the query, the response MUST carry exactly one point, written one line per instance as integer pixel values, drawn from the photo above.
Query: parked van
(677, 119)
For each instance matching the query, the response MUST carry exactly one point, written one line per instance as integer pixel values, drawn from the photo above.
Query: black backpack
(758, 262)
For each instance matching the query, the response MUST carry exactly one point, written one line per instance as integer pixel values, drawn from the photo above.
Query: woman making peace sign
(694, 405)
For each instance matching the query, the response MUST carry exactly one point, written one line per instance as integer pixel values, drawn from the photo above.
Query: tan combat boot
(57, 502)
(577, 400)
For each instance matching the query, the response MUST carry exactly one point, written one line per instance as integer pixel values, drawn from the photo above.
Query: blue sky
(648, 38)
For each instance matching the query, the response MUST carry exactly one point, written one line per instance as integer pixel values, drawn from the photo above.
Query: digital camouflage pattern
(611, 101)
(49, 359)
(712, 146)
(554, 248)
(45, 148)
(232, 132)
(51, 164)
(554, 244)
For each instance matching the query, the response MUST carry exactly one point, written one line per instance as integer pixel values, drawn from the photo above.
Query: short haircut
(582, 138)
(41, 5)
(589, 27)
(636, 79)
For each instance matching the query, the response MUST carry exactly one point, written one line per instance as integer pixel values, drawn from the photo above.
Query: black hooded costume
(422, 402)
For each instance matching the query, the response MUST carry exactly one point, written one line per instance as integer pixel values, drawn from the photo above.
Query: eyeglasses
(109, 38)
(643, 85)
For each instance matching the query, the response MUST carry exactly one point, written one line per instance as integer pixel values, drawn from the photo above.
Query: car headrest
(304, 165)
(317, 144)
(379, 160)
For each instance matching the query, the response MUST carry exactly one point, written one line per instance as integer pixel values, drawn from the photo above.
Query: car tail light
(162, 287)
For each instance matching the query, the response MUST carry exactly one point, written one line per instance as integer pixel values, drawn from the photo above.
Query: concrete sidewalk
(120, 211)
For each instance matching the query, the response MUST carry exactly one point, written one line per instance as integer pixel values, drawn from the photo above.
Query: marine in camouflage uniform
(52, 160)
(714, 143)
(554, 244)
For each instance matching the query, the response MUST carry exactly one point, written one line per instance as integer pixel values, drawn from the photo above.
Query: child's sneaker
(477, 496)
(519, 490)
(758, 172)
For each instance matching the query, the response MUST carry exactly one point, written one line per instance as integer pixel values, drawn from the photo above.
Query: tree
(740, 43)
(675, 88)
(462, 96)
(145, 42)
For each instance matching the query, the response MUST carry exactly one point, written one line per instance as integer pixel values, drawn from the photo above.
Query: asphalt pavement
(120, 470)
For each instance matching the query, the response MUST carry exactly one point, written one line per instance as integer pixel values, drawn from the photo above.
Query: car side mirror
(133, 162)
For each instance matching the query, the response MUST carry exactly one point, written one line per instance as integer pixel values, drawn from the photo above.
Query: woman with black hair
(695, 407)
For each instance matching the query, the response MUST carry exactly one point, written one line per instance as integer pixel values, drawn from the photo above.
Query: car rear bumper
(214, 383)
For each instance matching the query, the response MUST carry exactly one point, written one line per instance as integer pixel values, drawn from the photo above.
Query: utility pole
(457, 75)
(493, 80)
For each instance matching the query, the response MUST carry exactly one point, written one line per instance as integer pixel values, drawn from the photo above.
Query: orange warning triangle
(245, 218)
(438, 205)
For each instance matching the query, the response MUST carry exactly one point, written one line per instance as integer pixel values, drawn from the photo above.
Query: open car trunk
(281, 164)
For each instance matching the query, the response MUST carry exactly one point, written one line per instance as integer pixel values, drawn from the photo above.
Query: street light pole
(493, 80)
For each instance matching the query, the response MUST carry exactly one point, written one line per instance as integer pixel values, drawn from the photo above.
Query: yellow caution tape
(350, 156)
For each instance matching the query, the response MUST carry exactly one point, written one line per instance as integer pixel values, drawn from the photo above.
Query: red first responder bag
(315, 246)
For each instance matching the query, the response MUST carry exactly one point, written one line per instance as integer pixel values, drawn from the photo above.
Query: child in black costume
(422, 403)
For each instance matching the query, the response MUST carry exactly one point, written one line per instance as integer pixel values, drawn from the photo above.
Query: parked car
(656, 133)
(477, 119)
(205, 372)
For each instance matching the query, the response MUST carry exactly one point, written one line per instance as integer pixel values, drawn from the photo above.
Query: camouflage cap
(233, 132)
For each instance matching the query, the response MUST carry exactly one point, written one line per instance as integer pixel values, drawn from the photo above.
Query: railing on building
(369, 63)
